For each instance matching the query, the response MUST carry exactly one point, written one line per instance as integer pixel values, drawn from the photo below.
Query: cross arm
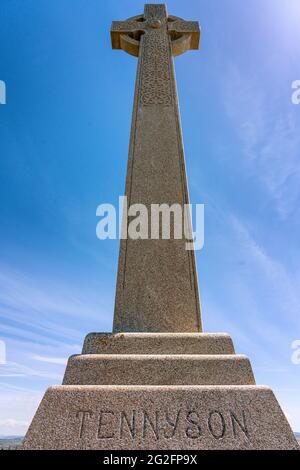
(186, 27)
(122, 27)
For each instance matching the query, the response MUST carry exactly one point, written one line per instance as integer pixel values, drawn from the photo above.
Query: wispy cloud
(280, 282)
(13, 369)
(258, 299)
(17, 407)
(40, 311)
(43, 321)
(13, 423)
(21, 292)
(50, 360)
(269, 136)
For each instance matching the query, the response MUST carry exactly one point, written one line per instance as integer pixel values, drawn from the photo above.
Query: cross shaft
(157, 287)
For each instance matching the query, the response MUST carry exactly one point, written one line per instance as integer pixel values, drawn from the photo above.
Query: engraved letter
(82, 415)
(154, 428)
(172, 424)
(194, 431)
(243, 426)
(103, 423)
(215, 416)
(131, 425)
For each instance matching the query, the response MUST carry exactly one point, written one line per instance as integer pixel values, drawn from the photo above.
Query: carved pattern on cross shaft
(156, 77)
(157, 11)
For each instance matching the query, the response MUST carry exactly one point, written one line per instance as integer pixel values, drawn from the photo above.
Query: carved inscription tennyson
(161, 424)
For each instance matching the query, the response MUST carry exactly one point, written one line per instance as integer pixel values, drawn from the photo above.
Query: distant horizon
(297, 434)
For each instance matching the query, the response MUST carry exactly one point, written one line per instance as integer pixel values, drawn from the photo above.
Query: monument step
(158, 343)
(128, 417)
(141, 369)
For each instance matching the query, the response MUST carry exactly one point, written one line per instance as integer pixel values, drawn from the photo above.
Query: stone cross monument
(157, 288)
(157, 381)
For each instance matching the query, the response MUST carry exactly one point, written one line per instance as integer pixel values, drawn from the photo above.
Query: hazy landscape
(13, 442)
(10, 442)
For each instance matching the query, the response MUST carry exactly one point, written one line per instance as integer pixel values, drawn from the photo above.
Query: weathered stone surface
(126, 35)
(158, 343)
(106, 369)
(157, 286)
(115, 417)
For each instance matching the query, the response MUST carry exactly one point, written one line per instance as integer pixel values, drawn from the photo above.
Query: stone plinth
(158, 343)
(184, 400)
(152, 417)
(170, 369)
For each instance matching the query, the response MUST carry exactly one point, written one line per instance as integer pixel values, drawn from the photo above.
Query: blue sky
(64, 136)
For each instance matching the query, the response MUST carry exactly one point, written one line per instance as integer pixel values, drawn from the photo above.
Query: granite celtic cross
(157, 287)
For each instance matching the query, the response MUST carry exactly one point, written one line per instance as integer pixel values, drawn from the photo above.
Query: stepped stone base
(159, 391)
(170, 369)
(158, 343)
(153, 417)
